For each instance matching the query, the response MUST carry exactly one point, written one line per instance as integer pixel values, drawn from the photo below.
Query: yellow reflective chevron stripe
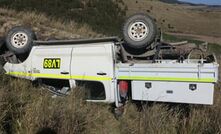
(38, 75)
(19, 73)
(59, 76)
(55, 76)
(90, 77)
(167, 79)
(99, 78)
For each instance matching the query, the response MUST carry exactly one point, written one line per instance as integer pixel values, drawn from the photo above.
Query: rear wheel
(139, 31)
(19, 40)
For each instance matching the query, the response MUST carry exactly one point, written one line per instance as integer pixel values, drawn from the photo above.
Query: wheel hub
(138, 31)
(19, 39)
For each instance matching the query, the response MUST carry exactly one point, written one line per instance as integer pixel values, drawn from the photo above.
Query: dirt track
(209, 39)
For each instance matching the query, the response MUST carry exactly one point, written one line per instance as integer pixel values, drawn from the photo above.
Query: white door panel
(94, 63)
(52, 62)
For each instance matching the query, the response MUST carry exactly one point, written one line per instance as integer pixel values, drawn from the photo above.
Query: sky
(209, 2)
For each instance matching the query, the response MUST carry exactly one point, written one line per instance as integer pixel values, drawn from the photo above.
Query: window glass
(93, 90)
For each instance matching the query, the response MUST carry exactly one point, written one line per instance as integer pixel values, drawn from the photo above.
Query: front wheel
(20, 40)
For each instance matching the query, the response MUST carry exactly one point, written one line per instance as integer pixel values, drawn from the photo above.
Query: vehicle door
(51, 62)
(93, 65)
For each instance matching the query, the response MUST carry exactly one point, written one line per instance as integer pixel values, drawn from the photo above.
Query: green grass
(214, 48)
(172, 38)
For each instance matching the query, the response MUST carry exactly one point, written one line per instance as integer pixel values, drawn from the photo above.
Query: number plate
(52, 63)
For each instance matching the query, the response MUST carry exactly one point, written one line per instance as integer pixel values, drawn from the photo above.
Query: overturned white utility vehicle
(140, 67)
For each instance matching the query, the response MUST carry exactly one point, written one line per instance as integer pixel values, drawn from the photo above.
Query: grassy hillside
(180, 18)
(43, 25)
(107, 16)
(102, 16)
(31, 110)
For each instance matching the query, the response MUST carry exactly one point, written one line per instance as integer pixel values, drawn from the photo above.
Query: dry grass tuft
(63, 115)
(27, 109)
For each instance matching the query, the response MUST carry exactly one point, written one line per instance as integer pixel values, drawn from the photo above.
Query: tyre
(20, 40)
(139, 31)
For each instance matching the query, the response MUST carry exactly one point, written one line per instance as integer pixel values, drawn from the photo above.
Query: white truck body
(164, 81)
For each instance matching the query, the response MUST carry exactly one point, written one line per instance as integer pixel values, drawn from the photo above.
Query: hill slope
(107, 16)
(198, 20)
(44, 26)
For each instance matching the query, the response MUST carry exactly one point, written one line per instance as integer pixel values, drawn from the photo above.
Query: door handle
(101, 73)
(64, 72)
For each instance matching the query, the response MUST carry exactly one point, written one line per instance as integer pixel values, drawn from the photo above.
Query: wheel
(20, 40)
(139, 31)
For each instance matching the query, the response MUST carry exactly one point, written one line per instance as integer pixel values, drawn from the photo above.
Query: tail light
(123, 88)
